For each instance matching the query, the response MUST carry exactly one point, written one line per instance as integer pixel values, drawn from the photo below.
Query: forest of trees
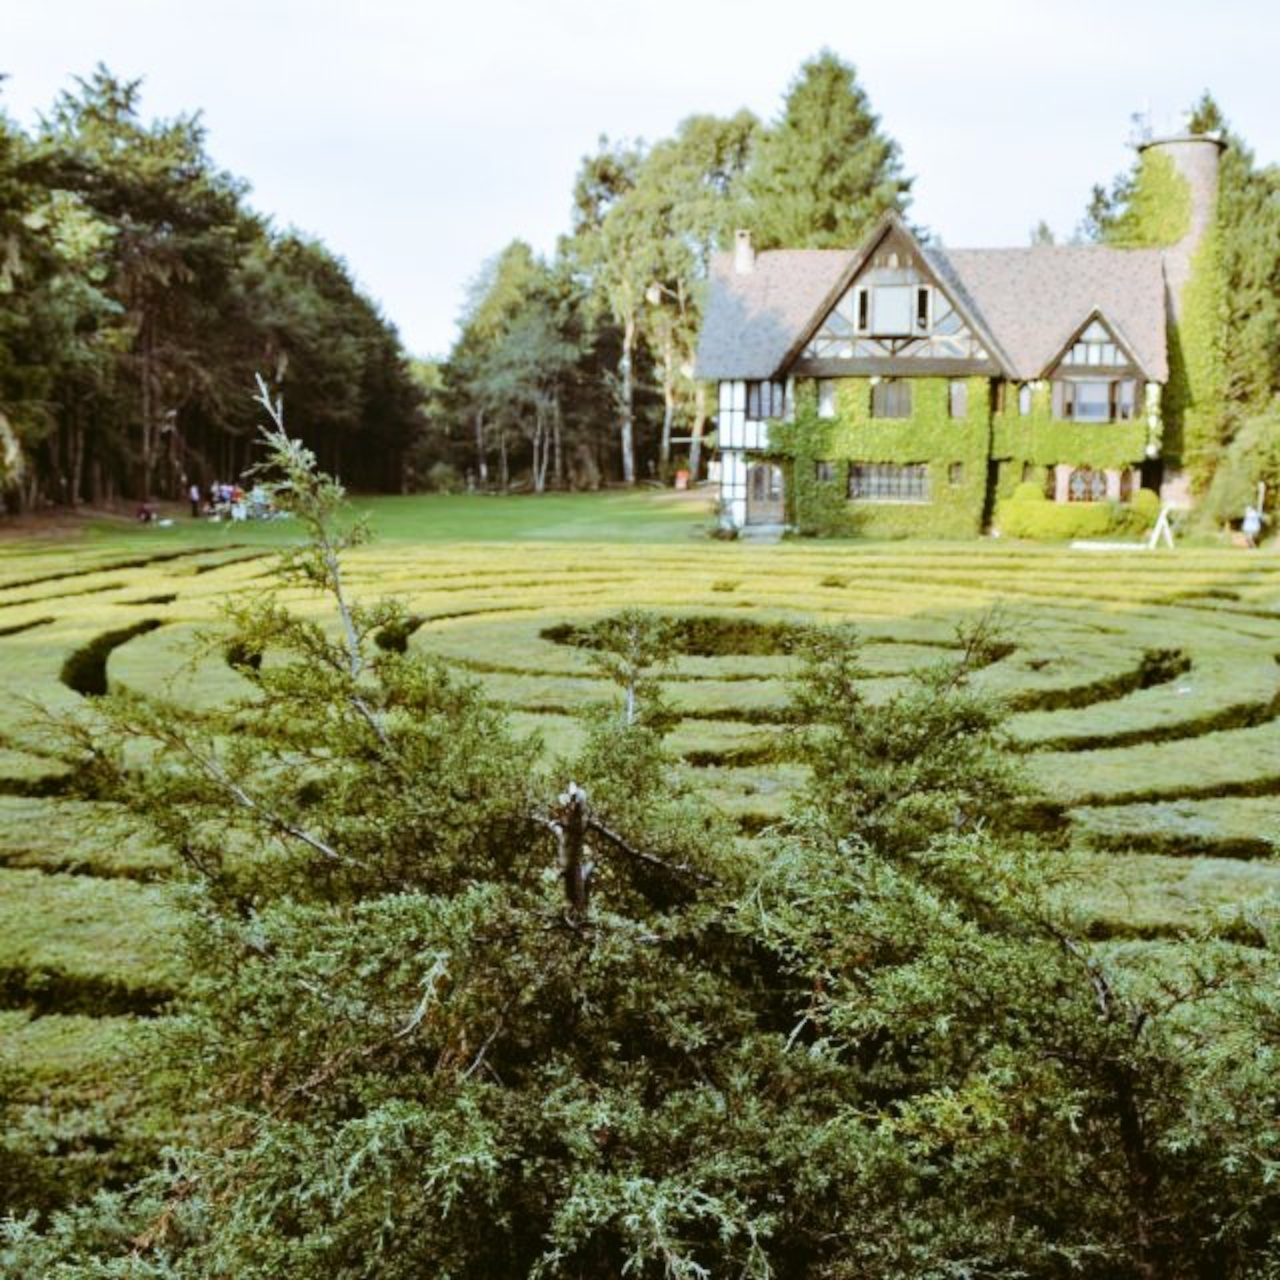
(139, 295)
(581, 367)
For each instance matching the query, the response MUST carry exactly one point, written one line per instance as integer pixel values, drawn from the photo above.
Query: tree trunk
(539, 469)
(626, 390)
(502, 459)
(699, 421)
(668, 401)
(482, 462)
(76, 449)
(557, 446)
(148, 411)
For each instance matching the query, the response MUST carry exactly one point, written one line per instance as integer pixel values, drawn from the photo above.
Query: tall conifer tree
(824, 172)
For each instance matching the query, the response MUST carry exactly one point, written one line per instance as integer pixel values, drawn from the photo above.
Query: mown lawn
(1144, 696)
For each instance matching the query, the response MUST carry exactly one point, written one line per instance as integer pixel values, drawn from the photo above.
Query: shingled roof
(752, 318)
(1032, 302)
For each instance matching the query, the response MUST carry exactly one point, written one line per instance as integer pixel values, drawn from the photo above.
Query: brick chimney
(744, 256)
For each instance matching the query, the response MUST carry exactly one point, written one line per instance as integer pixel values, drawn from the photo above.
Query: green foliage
(85, 670)
(77, 1104)
(922, 764)
(430, 1030)
(140, 296)
(824, 173)
(1249, 215)
(930, 436)
(1194, 399)
(1042, 440)
(511, 369)
(1252, 457)
(1156, 207)
(1029, 514)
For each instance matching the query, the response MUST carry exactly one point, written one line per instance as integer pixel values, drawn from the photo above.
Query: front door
(764, 493)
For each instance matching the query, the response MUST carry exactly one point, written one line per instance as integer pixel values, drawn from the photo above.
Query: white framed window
(888, 482)
(1096, 400)
(892, 307)
(767, 400)
(826, 398)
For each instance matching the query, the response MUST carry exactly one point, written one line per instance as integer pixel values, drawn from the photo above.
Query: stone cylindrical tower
(1196, 158)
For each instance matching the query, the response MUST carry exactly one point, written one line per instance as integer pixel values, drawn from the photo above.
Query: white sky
(417, 139)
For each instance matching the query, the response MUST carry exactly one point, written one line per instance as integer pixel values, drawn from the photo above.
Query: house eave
(890, 367)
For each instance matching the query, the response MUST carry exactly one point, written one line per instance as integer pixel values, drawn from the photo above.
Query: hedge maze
(1143, 693)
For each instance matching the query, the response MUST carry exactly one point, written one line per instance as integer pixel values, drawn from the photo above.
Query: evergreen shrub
(1029, 514)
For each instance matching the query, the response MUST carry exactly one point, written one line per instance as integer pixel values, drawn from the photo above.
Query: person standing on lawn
(1251, 525)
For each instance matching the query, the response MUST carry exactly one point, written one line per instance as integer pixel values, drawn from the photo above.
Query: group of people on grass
(224, 501)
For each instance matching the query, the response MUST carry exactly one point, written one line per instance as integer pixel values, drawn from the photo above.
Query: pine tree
(824, 173)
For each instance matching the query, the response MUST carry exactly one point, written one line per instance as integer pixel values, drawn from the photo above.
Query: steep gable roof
(1030, 302)
(892, 224)
(1036, 299)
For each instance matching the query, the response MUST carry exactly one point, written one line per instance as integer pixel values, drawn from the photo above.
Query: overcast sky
(417, 139)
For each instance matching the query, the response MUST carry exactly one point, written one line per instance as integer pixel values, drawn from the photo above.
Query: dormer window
(1095, 348)
(894, 310)
(1094, 380)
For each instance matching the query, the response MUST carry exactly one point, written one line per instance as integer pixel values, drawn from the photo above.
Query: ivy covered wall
(955, 450)
(1157, 210)
(1158, 214)
(1195, 399)
(1042, 440)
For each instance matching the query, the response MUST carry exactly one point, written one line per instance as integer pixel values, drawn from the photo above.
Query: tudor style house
(902, 387)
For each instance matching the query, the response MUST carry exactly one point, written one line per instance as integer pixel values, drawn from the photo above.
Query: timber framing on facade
(911, 386)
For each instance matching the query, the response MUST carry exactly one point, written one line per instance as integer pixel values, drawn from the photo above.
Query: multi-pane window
(955, 474)
(1087, 485)
(826, 398)
(766, 400)
(1100, 400)
(1096, 348)
(1089, 401)
(1024, 400)
(958, 399)
(891, 398)
(889, 482)
(824, 472)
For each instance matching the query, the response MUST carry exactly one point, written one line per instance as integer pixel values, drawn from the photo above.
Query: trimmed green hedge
(1029, 514)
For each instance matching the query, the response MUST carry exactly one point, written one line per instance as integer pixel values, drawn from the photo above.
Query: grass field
(1144, 691)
